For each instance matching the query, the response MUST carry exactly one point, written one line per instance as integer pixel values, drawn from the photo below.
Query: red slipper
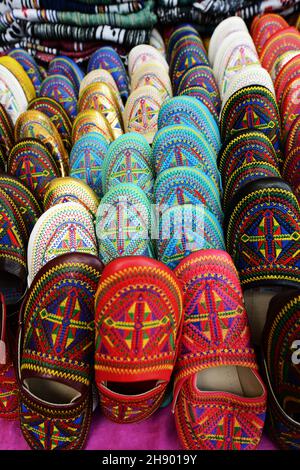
(8, 385)
(219, 397)
(138, 313)
(55, 353)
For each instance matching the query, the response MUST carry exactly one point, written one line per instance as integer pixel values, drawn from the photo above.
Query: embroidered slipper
(245, 174)
(262, 230)
(19, 73)
(138, 322)
(124, 223)
(67, 67)
(287, 73)
(13, 98)
(60, 88)
(290, 170)
(57, 115)
(236, 53)
(282, 41)
(70, 189)
(157, 41)
(91, 121)
(249, 76)
(6, 132)
(34, 124)
(201, 76)
(188, 53)
(141, 111)
(153, 74)
(86, 160)
(101, 76)
(29, 65)
(202, 95)
(263, 27)
(143, 53)
(244, 147)
(64, 228)
(188, 111)
(101, 96)
(9, 393)
(23, 198)
(219, 397)
(129, 160)
(107, 58)
(252, 107)
(282, 366)
(180, 31)
(184, 146)
(55, 352)
(187, 185)
(13, 241)
(32, 163)
(185, 229)
(224, 29)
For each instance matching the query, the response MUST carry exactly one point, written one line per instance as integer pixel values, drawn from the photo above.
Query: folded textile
(128, 37)
(73, 5)
(144, 18)
(208, 14)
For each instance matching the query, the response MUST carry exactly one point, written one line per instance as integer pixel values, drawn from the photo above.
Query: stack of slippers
(283, 65)
(119, 194)
(261, 212)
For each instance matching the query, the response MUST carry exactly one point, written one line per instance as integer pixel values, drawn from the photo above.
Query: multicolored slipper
(70, 189)
(67, 67)
(153, 74)
(36, 125)
(32, 163)
(290, 170)
(9, 394)
(185, 229)
(188, 111)
(187, 185)
(91, 121)
(244, 147)
(129, 160)
(57, 115)
(6, 132)
(245, 174)
(219, 397)
(124, 223)
(13, 98)
(252, 107)
(202, 95)
(23, 198)
(263, 237)
(13, 240)
(201, 76)
(188, 53)
(282, 369)
(102, 76)
(142, 54)
(56, 346)
(141, 111)
(107, 58)
(184, 146)
(102, 98)
(64, 228)
(60, 88)
(86, 160)
(138, 324)
(29, 65)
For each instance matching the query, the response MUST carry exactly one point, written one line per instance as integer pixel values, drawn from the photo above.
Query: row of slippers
(191, 255)
(192, 319)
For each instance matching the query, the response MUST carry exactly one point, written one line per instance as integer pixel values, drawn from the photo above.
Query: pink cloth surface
(157, 433)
